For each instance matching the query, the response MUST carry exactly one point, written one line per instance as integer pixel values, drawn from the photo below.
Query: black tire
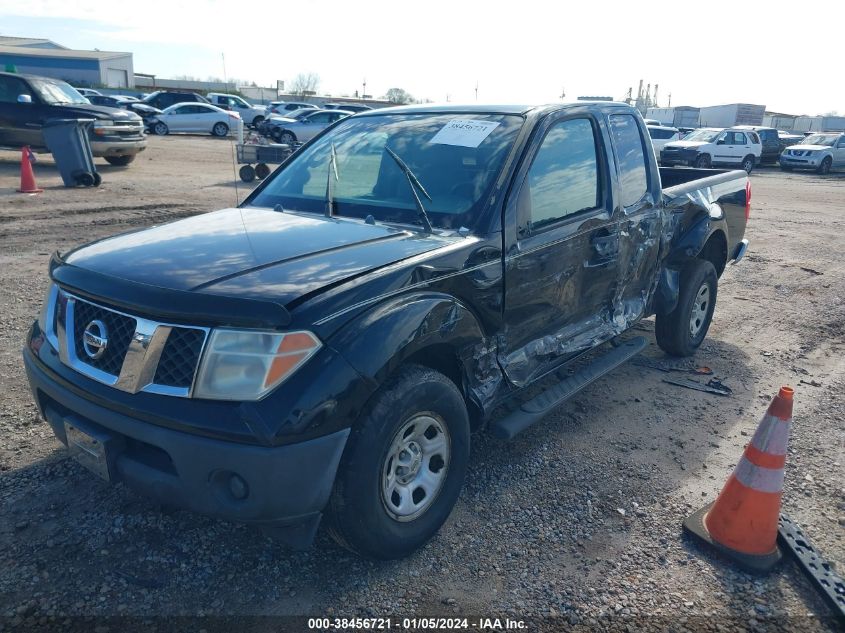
(220, 129)
(287, 138)
(276, 134)
(257, 121)
(674, 331)
(84, 179)
(824, 168)
(357, 515)
(703, 162)
(98, 179)
(748, 164)
(120, 161)
(262, 171)
(161, 128)
(247, 173)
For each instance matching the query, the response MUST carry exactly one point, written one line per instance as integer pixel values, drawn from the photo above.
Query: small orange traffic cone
(743, 521)
(27, 177)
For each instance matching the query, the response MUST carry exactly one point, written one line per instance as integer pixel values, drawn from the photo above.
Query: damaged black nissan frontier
(324, 351)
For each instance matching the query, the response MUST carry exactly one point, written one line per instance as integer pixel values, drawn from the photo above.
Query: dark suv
(772, 145)
(164, 99)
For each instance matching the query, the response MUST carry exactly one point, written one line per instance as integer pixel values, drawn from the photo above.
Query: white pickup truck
(714, 146)
(252, 115)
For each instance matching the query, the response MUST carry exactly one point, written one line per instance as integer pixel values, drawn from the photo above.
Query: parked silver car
(304, 127)
(822, 152)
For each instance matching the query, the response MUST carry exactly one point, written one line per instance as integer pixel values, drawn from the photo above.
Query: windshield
(707, 136)
(455, 157)
(57, 92)
(820, 139)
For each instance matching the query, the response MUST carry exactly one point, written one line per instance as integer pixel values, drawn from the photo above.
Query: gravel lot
(575, 524)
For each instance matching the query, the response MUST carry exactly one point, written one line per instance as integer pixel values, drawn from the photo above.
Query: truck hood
(91, 111)
(252, 252)
(685, 144)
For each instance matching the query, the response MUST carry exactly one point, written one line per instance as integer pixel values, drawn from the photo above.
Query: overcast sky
(789, 58)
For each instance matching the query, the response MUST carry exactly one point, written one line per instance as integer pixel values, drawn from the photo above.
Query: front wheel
(287, 138)
(682, 331)
(824, 168)
(703, 162)
(160, 129)
(748, 164)
(220, 129)
(120, 161)
(403, 468)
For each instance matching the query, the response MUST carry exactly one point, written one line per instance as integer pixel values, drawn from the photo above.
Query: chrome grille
(180, 357)
(120, 330)
(140, 354)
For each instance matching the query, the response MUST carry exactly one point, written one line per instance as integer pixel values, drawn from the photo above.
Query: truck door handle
(605, 247)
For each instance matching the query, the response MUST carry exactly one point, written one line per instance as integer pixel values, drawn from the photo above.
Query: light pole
(364, 94)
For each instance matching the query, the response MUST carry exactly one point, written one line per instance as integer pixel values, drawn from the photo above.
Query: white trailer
(820, 124)
(680, 116)
(732, 114)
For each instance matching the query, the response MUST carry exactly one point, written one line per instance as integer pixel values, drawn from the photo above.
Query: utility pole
(670, 101)
(562, 93)
(476, 89)
(364, 94)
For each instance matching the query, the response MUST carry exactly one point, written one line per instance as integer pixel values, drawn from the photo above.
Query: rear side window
(629, 149)
(564, 177)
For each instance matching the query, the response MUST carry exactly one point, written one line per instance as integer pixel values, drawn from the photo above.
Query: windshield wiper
(330, 182)
(415, 184)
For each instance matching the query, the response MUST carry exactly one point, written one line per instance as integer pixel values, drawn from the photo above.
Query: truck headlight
(101, 128)
(247, 364)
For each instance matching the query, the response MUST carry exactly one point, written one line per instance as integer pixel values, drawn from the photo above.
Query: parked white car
(822, 152)
(195, 117)
(251, 115)
(710, 146)
(661, 134)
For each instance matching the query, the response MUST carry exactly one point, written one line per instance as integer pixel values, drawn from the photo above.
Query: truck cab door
(561, 259)
(640, 224)
(20, 123)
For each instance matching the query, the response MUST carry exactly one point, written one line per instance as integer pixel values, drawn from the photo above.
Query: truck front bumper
(117, 148)
(800, 163)
(283, 488)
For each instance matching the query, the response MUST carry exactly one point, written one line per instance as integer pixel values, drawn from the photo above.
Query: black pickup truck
(28, 101)
(329, 346)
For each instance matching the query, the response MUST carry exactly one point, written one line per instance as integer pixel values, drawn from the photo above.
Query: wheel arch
(434, 330)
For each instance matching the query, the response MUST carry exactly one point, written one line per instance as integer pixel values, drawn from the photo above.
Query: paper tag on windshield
(464, 132)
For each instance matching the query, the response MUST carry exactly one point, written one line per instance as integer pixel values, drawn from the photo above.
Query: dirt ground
(576, 523)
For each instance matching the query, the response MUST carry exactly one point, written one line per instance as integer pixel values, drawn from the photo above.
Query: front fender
(433, 328)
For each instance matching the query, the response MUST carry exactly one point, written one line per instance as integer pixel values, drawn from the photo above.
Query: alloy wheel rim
(415, 467)
(699, 310)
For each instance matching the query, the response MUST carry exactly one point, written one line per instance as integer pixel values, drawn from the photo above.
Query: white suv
(252, 115)
(710, 146)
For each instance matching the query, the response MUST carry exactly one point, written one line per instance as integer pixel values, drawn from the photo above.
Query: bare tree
(398, 95)
(305, 84)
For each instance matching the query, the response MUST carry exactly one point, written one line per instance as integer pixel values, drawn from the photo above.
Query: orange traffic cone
(743, 521)
(27, 177)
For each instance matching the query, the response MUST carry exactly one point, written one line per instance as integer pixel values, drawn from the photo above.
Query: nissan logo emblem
(95, 339)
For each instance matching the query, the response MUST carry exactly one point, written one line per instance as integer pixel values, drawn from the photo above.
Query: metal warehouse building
(80, 68)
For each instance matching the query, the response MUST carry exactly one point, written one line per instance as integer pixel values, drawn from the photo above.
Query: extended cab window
(564, 177)
(631, 155)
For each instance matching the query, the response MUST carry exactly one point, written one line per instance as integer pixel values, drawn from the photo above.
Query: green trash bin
(67, 140)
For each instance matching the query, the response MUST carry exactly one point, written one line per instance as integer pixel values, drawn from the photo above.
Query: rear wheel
(824, 168)
(262, 171)
(681, 331)
(403, 468)
(220, 129)
(120, 161)
(703, 162)
(748, 164)
(287, 138)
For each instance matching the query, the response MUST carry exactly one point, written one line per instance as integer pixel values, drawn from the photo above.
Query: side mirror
(24, 98)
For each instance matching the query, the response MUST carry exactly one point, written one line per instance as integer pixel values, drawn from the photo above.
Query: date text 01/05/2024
(410, 624)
